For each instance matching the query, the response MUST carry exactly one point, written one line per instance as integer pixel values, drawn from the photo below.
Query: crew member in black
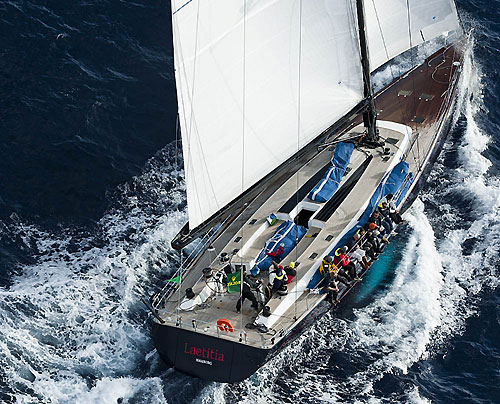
(247, 293)
(332, 288)
(330, 271)
(393, 211)
(377, 242)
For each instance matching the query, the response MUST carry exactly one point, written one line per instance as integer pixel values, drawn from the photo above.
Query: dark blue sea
(92, 191)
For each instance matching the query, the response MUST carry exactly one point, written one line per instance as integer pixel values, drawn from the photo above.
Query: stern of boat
(206, 357)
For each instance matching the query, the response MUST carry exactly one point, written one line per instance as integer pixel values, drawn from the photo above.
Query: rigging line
(180, 283)
(402, 110)
(413, 79)
(176, 140)
(187, 147)
(194, 68)
(178, 51)
(243, 152)
(193, 120)
(298, 147)
(381, 34)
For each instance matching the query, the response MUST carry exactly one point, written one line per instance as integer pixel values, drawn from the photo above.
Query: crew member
(247, 293)
(356, 246)
(277, 277)
(393, 211)
(332, 288)
(329, 270)
(342, 260)
(290, 271)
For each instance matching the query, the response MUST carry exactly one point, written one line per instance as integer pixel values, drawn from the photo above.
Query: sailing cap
(371, 226)
(291, 265)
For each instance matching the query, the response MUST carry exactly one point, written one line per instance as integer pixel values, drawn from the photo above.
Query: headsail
(387, 24)
(238, 68)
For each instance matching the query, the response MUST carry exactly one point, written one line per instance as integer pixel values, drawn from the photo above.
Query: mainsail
(258, 80)
(387, 23)
(244, 70)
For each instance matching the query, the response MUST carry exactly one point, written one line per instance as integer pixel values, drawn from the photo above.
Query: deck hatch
(253, 221)
(392, 140)
(237, 239)
(329, 237)
(418, 119)
(313, 255)
(426, 97)
(404, 93)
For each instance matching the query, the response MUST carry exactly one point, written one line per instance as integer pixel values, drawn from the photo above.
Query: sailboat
(288, 151)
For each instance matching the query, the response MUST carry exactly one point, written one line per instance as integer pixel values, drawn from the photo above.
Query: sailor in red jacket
(342, 260)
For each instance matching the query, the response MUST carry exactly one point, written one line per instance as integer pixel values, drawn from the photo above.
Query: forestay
(387, 25)
(247, 74)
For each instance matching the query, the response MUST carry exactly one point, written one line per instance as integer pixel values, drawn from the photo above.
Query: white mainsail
(387, 25)
(238, 66)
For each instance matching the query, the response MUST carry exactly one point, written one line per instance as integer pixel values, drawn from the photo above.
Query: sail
(248, 75)
(387, 23)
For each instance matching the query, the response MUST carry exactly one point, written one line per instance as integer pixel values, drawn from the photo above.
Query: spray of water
(73, 328)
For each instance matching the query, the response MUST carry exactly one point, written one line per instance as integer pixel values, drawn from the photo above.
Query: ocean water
(92, 191)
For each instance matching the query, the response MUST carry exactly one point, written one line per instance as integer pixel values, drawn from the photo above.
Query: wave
(74, 328)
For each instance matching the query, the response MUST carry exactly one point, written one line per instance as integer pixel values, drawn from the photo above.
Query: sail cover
(330, 182)
(387, 23)
(249, 74)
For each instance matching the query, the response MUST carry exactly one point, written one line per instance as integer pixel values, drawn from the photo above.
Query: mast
(370, 113)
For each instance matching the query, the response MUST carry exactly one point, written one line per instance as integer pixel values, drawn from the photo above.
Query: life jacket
(281, 276)
(327, 267)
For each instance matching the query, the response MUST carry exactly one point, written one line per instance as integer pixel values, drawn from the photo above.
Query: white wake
(73, 327)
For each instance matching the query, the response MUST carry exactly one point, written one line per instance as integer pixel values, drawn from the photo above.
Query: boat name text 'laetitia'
(204, 352)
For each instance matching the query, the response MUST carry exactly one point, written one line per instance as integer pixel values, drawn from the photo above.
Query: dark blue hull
(218, 359)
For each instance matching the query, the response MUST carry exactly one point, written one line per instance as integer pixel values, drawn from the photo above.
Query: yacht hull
(219, 359)
(206, 357)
